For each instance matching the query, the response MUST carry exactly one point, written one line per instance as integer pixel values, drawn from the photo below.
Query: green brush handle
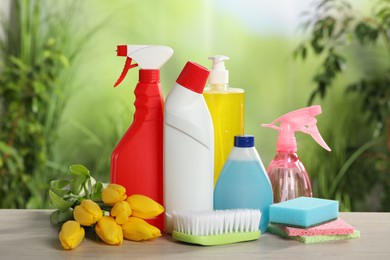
(217, 239)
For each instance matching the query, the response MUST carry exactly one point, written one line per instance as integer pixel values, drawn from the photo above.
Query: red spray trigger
(122, 51)
(126, 68)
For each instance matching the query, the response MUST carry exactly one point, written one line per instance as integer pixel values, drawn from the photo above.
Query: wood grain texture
(28, 234)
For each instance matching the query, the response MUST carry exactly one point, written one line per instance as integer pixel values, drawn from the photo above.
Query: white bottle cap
(218, 74)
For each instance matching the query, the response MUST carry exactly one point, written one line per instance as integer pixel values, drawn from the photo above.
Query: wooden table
(28, 234)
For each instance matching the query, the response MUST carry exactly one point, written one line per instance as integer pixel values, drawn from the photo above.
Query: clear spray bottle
(288, 176)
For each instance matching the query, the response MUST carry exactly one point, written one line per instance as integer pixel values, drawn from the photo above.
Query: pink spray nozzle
(302, 120)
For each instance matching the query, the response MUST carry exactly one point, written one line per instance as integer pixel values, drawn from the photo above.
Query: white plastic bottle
(188, 145)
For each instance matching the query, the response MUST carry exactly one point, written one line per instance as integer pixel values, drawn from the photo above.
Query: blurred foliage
(359, 173)
(35, 54)
(261, 64)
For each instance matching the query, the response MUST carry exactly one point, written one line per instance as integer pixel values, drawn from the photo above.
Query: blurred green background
(59, 107)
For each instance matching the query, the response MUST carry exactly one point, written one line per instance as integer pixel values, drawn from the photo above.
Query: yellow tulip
(113, 193)
(87, 213)
(144, 207)
(109, 231)
(137, 229)
(71, 234)
(121, 211)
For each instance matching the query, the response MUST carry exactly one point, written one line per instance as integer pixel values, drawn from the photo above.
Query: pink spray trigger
(302, 120)
(126, 68)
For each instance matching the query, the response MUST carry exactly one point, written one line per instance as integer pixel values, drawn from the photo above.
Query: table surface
(29, 234)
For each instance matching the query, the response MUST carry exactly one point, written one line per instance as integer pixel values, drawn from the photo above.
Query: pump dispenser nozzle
(302, 120)
(218, 73)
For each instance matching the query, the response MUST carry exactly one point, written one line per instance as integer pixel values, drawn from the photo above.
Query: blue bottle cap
(244, 141)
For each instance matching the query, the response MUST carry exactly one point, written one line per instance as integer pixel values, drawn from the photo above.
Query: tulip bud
(109, 231)
(121, 211)
(144, 207)
(113, 193)
(87, 213)
(71, 234)
(137, 229)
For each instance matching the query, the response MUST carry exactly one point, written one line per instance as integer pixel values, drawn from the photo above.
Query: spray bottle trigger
(315, 134)
(126, 68)
(271, 126)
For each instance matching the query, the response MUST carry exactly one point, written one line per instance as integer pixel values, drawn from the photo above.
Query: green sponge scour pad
(304, 212)
(274, 229)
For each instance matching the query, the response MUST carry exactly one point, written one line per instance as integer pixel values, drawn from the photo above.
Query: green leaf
(59, 217)
(80, 175)
(54, 217)
(78, 169)
(97, 191)
(366, 33)
(19, 63)
(329, 25)
(384, 13)
(60, 187)
(60, 184)
(301, 51)
(58, 202)
(77, 184)
(316, 45)
(312, 97)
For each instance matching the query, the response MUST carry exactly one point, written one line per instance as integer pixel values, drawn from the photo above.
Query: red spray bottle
(137, 160)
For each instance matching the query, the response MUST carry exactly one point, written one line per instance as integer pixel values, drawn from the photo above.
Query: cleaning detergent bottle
(243, 182)
(226, 106)
(137, 160)
(287, 174)
(188, 145)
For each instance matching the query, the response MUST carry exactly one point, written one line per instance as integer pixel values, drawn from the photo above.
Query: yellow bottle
(226, 106)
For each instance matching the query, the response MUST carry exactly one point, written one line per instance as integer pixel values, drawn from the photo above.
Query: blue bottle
(243, 182)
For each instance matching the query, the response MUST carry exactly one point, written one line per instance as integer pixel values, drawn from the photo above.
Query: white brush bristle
(217, 222)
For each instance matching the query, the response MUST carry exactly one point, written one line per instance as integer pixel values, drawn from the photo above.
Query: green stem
(103, 206)
(349, 162)
(87, 188)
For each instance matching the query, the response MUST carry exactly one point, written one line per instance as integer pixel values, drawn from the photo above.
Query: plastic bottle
(188, 145)
(137, 160)
(243, 182)
(226, 106)
(287, 173)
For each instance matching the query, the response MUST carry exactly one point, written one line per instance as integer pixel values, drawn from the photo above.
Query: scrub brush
(216, 227)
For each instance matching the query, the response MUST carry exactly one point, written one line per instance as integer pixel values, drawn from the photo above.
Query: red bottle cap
(149, 76)
(193, 77)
